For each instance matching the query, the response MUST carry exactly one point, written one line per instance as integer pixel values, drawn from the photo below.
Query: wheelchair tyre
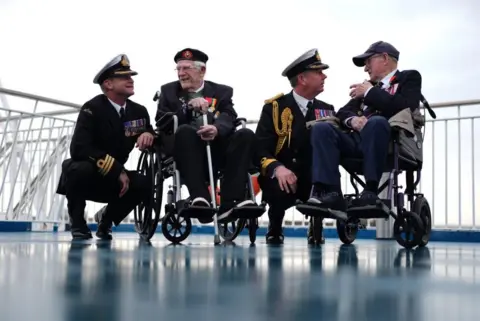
(408, 229)
(230, 234)
(347, 231)
(147, 216)
(252, 229)
(176, 228)
(422, 208)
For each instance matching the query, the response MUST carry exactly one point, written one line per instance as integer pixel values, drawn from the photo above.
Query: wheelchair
(412, 227)
(176, 223)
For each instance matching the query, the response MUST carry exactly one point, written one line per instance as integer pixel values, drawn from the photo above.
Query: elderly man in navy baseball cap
(373, 102)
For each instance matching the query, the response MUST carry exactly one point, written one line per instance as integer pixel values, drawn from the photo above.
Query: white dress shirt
(117, 106)
(302, 102)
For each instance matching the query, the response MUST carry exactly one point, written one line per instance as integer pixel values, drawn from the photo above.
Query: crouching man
(107, 129)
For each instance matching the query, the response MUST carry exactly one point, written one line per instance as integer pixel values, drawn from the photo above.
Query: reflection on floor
(47, 277)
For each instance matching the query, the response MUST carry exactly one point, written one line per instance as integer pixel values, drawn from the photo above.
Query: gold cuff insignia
(105, 165)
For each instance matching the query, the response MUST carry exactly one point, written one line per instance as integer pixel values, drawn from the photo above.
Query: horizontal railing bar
(40, 114)
(32, 114)
(20, 94)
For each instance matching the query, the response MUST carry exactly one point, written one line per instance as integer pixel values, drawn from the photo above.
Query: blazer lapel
(112, 115)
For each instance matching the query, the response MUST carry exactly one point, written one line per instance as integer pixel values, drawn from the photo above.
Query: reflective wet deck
(46, 277)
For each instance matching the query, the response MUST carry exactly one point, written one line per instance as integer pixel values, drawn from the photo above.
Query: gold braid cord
(287, 120)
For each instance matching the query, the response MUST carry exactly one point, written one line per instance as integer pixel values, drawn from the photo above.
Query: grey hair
(199, 64)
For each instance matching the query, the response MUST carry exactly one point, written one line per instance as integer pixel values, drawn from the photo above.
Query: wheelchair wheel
(347, 231)
(408, 229)
(176, 228)
(229, 231)
(421, 207)
(147, 215)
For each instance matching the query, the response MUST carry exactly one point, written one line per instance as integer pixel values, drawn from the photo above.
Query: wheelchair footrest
(198, 212)
(317, 211)
(248, 212)
(379, 210)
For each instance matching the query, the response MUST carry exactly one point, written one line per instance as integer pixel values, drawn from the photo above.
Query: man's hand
(286, 179)
(125, 182)
(357, 123)
(144, 141)
(208, 132)
(198, 104)
(359, 90)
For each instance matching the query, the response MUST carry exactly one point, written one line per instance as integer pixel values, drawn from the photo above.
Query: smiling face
(190, 74)
(120, 85)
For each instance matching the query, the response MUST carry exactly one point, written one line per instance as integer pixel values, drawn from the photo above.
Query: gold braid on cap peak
(287, 120)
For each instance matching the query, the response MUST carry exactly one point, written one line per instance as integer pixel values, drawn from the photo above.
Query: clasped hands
(200, 104)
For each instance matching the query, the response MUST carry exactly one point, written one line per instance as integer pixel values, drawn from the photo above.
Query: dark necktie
(308, 115)
(122, 114)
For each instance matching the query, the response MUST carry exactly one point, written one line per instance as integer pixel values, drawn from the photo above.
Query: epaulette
(271, 100)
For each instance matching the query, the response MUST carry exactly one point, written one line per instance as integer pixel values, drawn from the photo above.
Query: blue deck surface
(44, 276)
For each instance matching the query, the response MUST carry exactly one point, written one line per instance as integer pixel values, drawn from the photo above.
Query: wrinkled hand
(144, 141)
(357, 123)
(208, 132)
(358, 90)
(125, 182)
(286, 179)
(198, 104)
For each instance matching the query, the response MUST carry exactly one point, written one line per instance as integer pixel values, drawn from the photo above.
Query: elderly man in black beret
(365, 116)
(189, 98)
(107, 129)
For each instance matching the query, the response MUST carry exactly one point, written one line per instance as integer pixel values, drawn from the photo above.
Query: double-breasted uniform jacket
(173, 99)
(403, 92)
(103, 138)
(282, 134)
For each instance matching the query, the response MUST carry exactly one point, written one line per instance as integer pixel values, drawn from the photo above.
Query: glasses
(183, 69)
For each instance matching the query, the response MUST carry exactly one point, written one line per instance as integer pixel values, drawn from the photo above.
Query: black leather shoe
(104, 229)
(331, 200)
(274, 236)
(366, 198)
(81, 233)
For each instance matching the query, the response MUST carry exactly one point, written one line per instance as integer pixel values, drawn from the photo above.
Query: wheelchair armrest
(241, 122)
(164, 123)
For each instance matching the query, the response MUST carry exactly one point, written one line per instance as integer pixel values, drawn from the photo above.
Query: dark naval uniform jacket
(173, 99)
(103, 138)
(403, 91)
(282, 134)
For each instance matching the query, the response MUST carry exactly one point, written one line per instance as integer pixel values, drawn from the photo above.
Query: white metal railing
(34, 140)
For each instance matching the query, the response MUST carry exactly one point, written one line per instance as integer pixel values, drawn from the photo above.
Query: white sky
(54, 48)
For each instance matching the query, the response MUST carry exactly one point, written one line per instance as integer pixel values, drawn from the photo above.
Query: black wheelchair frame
(415, 223)
(176, 224)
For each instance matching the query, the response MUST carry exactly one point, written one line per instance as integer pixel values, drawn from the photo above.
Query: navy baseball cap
(378, 47)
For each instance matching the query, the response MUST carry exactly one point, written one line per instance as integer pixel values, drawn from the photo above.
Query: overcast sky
(54, 48)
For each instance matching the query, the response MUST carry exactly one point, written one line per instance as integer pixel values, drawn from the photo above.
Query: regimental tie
(122, 113)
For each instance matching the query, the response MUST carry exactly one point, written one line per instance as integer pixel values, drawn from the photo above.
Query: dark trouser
(279, 201)
(82, 182)
(330, 145)
(232, 154)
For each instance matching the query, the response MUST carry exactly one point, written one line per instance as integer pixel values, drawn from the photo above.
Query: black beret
(191, 54)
